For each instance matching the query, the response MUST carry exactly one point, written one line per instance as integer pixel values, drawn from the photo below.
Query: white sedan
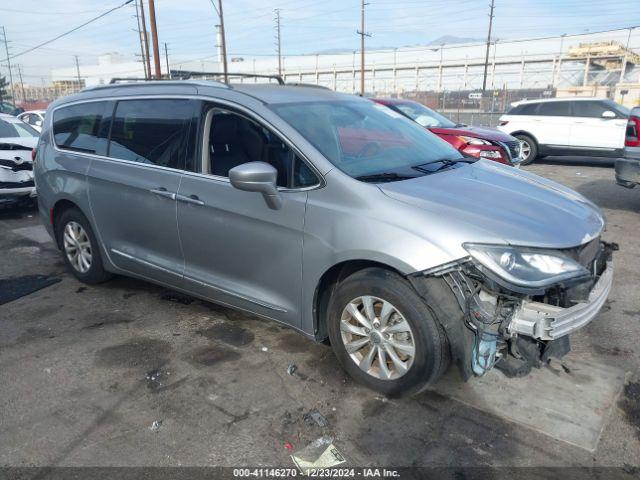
(17, 141)
(35, 118)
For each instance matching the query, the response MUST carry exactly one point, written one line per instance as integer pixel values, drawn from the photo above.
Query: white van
(559, 126)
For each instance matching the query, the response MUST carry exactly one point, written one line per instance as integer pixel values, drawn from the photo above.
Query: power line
(67, 32)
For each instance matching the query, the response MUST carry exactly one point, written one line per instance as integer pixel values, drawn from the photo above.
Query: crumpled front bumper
(548, 322)
(16, 184)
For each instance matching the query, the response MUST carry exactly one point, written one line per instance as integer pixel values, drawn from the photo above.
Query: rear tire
(529, 148)
(80, 248)
(403, 352)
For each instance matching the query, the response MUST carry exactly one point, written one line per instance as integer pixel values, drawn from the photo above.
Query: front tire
(80, 248)
(384, 335)
(528, 147)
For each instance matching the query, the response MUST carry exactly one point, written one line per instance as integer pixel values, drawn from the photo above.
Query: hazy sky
(308, 26)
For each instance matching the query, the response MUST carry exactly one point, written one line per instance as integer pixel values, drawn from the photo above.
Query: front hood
(475, 132)
(490, 203)
(30, 142)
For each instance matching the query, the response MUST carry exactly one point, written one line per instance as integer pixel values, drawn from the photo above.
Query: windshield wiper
(383, 177)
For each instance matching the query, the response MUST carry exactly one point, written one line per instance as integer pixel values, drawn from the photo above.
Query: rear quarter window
(525, 109)
(77, 127)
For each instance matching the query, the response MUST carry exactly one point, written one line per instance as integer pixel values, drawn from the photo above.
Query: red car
(479, 142)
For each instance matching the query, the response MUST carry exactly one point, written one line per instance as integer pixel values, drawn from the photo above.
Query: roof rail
(309, 85)
(115, 80)
(187, 75)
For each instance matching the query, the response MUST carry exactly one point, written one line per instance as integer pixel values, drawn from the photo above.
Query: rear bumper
(628, 171)
(547, 322)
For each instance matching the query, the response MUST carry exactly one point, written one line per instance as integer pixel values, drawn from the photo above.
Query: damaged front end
(518, 304)
(16, 172)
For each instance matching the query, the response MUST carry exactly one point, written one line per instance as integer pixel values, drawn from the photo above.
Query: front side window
(234, 139)
(555, 109)
(363, 138)
(77, 127)
(153, 132)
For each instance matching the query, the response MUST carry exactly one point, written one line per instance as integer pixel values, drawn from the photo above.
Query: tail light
(632, 138)
(34, 152)
(503, 123)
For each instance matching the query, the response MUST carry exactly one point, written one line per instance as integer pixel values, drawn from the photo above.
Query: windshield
(16, 129)
(363, 138)
(422, 115)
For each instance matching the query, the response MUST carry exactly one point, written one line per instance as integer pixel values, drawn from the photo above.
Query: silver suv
(328, 213)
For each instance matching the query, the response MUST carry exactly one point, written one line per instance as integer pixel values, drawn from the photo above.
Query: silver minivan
(328, 213)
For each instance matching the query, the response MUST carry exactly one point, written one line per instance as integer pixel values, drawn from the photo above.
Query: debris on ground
(291, 369)
(264, 349)
(156, 379)
(155, 426)
(321, 453)
(288, 446)
(314, 416)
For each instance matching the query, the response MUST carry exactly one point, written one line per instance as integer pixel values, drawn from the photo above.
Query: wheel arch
(327, 283)
(528, 134)
(59, 207)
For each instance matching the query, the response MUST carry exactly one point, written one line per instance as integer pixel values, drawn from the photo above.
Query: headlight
(474, 141)
(527, 267)
(490, 154)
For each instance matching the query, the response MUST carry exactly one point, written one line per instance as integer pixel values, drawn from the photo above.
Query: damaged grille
(17, 184)
(16, 167)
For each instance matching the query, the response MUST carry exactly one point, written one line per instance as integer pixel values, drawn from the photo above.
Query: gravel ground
(87, 370)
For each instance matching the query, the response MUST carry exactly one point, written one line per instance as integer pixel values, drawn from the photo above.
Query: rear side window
(555, 109)
(77, 127)
(525, 109)
(153, 131)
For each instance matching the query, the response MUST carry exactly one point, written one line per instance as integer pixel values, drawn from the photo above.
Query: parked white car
(35, 118)
(17, 141)
(561, 126)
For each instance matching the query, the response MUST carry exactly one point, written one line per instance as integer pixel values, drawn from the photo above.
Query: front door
(237, 250)
(133, 191)
(592, 130)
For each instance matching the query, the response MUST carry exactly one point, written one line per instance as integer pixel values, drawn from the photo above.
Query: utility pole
(146, 56)
(144, 63)
(166, 59)
(362, 34)
(224, 43)
(278, 44)
(24, 98)
(78, 71)
(486, 58)
(154, 39)
(6, 49)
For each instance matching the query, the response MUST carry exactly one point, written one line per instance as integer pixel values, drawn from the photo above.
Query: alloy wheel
(525, 149)
(77, 247)
(377, 337)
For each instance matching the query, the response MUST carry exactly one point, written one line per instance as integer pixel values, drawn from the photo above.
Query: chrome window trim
(252, 115)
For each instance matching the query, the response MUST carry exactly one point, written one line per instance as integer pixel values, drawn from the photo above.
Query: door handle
(191, 199)
(163, 192)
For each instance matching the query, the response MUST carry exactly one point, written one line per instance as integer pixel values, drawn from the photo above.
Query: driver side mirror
(257, 177)
(608, 114)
